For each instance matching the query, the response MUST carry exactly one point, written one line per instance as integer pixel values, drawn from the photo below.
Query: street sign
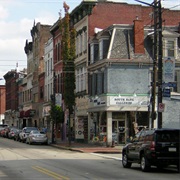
(161, 107)
(169, 84)
(166, 92)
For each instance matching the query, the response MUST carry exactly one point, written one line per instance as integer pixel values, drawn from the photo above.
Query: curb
(86, 150)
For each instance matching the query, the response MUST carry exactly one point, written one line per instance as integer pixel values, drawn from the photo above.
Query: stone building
(32, 104)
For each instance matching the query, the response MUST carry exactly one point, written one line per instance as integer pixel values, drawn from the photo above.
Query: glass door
(118, 131)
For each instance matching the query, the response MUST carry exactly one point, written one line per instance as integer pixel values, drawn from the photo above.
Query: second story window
(81, 79)
(41, 92)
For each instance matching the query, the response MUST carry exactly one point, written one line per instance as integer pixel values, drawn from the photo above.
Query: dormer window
(170, 44)
(170, 49)
(103, 48)
(94, 52)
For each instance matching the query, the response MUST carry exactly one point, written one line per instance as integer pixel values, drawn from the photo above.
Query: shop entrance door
(118, 131)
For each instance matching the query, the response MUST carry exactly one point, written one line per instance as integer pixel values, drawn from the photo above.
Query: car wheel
(30, 142)
(145, 166)
(125, 162)
(178, 168)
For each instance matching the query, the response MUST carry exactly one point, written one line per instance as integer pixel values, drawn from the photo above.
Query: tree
(57, 114)
(68, 56)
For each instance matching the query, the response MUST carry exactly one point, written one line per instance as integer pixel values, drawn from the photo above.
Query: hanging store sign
(166, 92)
(58, 99)
(168, 69)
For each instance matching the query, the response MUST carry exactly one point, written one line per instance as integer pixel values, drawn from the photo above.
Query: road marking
(50, 173)
(109, 157)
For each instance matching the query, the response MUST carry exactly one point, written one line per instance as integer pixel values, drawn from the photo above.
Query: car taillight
(152, 146)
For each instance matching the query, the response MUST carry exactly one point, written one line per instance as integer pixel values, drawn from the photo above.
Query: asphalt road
(19, 161)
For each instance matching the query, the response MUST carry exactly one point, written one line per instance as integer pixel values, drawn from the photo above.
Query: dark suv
(157, 147)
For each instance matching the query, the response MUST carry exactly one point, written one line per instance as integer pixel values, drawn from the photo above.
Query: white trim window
(92, 54)
(101, 49)
(170, 47)
(77, 45)
(80, 43)
(81, 79)
(85, 41)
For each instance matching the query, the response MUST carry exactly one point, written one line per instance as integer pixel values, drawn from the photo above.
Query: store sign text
(123, 101)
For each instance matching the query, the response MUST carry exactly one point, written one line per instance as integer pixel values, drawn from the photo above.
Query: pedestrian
(44, 129)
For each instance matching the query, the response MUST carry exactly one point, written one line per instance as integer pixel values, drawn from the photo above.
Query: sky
(17, 19)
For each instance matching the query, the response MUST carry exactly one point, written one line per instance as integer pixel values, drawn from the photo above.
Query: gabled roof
(168, 33)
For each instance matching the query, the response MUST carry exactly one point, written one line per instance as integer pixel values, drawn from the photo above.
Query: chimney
(138, 36)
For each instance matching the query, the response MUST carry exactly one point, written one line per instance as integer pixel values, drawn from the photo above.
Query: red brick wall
(139, 36)
(106, 14)
(41, 86)
(2, 99)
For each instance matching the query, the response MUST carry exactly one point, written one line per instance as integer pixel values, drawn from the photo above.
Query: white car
(25, 133)
(37, 137)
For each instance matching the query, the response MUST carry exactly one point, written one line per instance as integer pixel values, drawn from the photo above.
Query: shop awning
(21, 114)
(30, 113)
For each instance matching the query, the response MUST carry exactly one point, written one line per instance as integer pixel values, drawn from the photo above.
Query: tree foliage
(57, 114)
(68, 54)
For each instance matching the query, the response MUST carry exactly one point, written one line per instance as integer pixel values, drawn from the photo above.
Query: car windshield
(168, 136)
(28, 130)
(35, 132)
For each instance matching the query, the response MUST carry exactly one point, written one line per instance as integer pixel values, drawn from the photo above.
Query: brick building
(11, 97)
(32, 105)
(89, 18)
(2, 103)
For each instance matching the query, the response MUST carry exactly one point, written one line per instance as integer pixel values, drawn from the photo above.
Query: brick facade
(2, 102)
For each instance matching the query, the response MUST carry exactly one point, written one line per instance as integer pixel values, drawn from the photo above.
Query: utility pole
(53, 98)
(154, 84)
(159, 63)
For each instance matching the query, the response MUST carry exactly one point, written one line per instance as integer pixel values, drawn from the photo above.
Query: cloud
(3, 12)
(46, 17)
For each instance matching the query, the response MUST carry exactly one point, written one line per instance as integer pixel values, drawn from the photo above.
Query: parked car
(16, 135)
(25, 133)
(157, 147)
(12, 132)
(2, 131)
(6, 131)
(36, 136)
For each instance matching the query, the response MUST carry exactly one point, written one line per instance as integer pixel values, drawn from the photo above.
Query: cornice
(84, 9)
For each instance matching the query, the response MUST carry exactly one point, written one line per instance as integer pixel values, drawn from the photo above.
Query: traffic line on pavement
(109, 157)
(50, 173)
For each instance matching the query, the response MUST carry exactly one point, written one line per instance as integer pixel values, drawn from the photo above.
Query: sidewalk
(88, 148)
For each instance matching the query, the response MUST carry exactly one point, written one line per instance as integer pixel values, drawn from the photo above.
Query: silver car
(37, 137)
